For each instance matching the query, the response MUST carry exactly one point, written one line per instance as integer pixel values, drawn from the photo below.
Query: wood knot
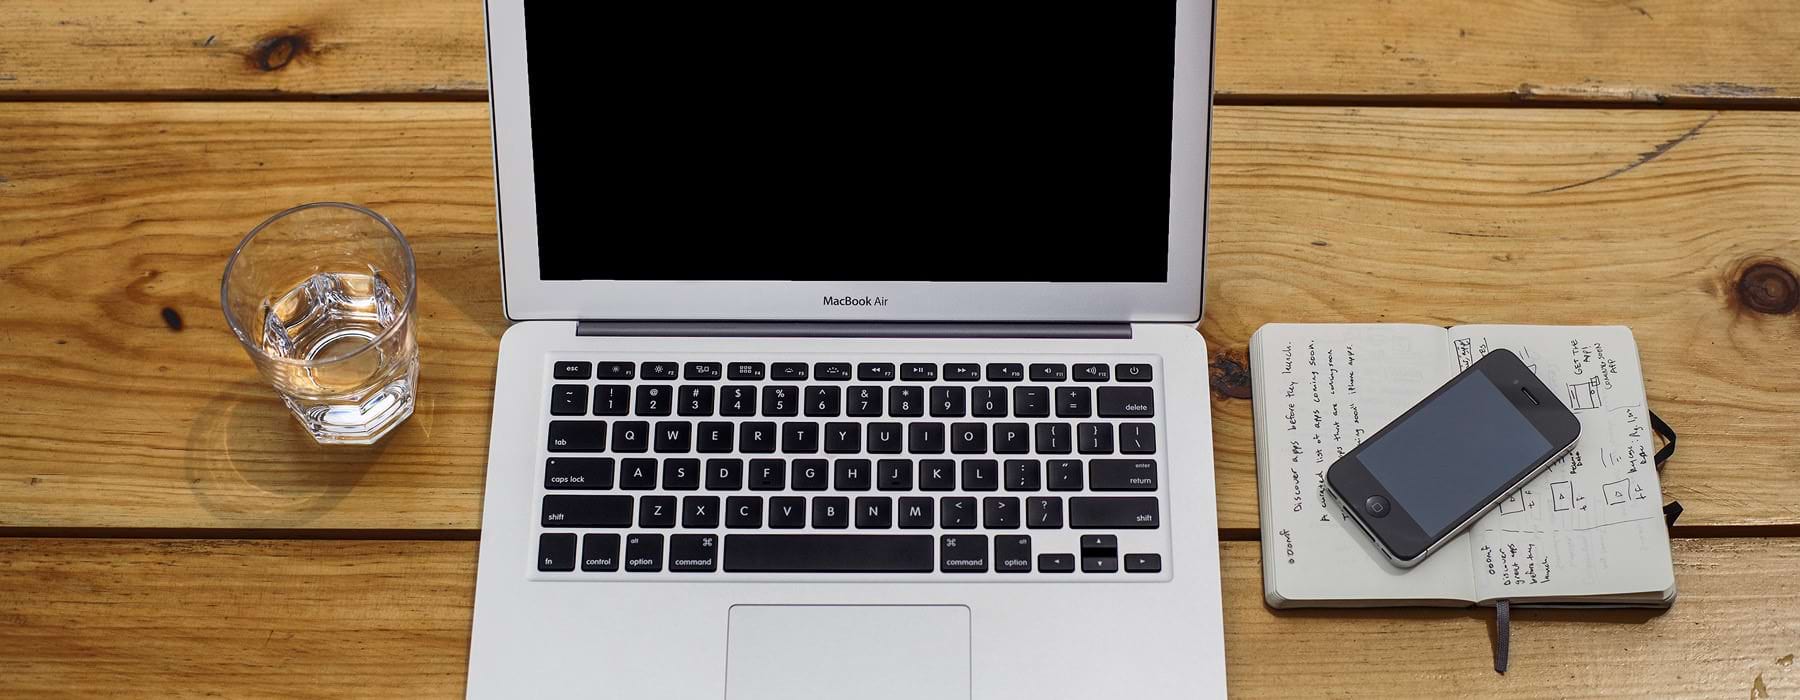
(1229, 374)
(275, 51)
(172, 318)
(1769, 288)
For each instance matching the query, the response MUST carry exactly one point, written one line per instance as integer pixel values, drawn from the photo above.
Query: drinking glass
(321, 296)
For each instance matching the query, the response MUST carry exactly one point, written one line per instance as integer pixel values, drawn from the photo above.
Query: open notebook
(1588, 531)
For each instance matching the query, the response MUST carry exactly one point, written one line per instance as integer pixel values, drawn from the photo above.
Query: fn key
(556, 551)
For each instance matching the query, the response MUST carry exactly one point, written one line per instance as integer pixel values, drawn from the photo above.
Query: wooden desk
(166, 530)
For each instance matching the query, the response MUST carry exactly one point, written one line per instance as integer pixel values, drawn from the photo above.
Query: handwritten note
(1594, 518)
(1331, 388)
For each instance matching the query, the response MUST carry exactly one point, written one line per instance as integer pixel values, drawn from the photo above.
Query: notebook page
(1321, 389)
(1592, 524)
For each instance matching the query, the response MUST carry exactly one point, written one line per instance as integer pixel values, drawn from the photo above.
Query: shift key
(587, 511)
(1122, 513)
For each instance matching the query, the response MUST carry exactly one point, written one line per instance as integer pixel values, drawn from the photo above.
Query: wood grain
(1454, 51)
(176, 49)
(1729, 631)
(1442, 51)
(1660, 221)
(221, 618)
(175, 618)
(112, 213)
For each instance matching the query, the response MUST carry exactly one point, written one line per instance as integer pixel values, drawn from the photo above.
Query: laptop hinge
(852, 329)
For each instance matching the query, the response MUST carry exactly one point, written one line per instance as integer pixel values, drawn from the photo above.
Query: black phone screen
(1454, 452)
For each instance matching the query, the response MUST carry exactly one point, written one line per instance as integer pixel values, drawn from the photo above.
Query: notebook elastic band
(1673, 509)
(1668, 435)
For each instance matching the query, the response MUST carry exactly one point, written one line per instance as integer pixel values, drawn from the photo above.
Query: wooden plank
(113, 216)
(328, 618)
(1639, 51)
(1678, 224)
(1445, 51)
(234, 618)
(226, 48)
(1730, 631)
(112, 213)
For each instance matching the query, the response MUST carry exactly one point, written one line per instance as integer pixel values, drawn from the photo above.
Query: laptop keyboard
(886, 469)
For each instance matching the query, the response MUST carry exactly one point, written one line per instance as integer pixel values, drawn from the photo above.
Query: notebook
(1588, 531)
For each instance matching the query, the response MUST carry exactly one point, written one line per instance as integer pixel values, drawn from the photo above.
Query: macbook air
(853, 353)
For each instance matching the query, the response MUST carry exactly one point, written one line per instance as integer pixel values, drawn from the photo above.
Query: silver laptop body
(854, 353)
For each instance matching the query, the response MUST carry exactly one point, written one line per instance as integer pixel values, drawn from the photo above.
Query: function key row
(944, 401)
(820, 553)
(842, 371)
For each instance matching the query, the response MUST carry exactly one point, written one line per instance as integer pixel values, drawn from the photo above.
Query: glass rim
(406, 307)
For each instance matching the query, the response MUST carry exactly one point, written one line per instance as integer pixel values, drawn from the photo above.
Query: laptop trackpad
(870, 652)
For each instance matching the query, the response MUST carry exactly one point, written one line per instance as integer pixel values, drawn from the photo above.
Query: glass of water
(321, 296)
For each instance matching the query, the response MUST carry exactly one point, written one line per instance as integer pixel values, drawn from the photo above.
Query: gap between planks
(1230, 534)
(1396, 100)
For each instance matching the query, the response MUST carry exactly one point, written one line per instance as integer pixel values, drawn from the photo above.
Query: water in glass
(321, 296)
(329, 322)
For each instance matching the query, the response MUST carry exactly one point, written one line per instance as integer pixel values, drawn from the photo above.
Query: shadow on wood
(251, 464)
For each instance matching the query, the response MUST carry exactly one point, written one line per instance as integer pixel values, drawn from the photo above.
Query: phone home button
(1377, 506)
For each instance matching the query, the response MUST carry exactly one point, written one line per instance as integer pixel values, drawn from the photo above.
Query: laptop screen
(937, 140)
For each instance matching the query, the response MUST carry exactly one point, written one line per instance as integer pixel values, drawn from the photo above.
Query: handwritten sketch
(1562, 495)
(1465, 352)
(1585, 395)
(1595, 527)
(1617, 492)
(1525, 356)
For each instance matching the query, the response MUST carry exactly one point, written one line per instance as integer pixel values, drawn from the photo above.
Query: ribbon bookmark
(1502, 634)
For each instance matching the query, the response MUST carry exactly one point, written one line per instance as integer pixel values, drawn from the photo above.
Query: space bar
(828, 554)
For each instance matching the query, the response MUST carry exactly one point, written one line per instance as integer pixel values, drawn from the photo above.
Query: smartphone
(1450, 459)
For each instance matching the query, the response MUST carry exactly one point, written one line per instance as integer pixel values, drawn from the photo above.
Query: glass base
(358, 423)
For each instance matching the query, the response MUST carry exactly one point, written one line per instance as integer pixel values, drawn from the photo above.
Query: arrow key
(1143, 563)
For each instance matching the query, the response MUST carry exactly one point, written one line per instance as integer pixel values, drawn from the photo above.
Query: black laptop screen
(852, 141)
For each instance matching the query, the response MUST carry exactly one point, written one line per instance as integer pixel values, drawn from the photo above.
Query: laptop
(853, 355)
